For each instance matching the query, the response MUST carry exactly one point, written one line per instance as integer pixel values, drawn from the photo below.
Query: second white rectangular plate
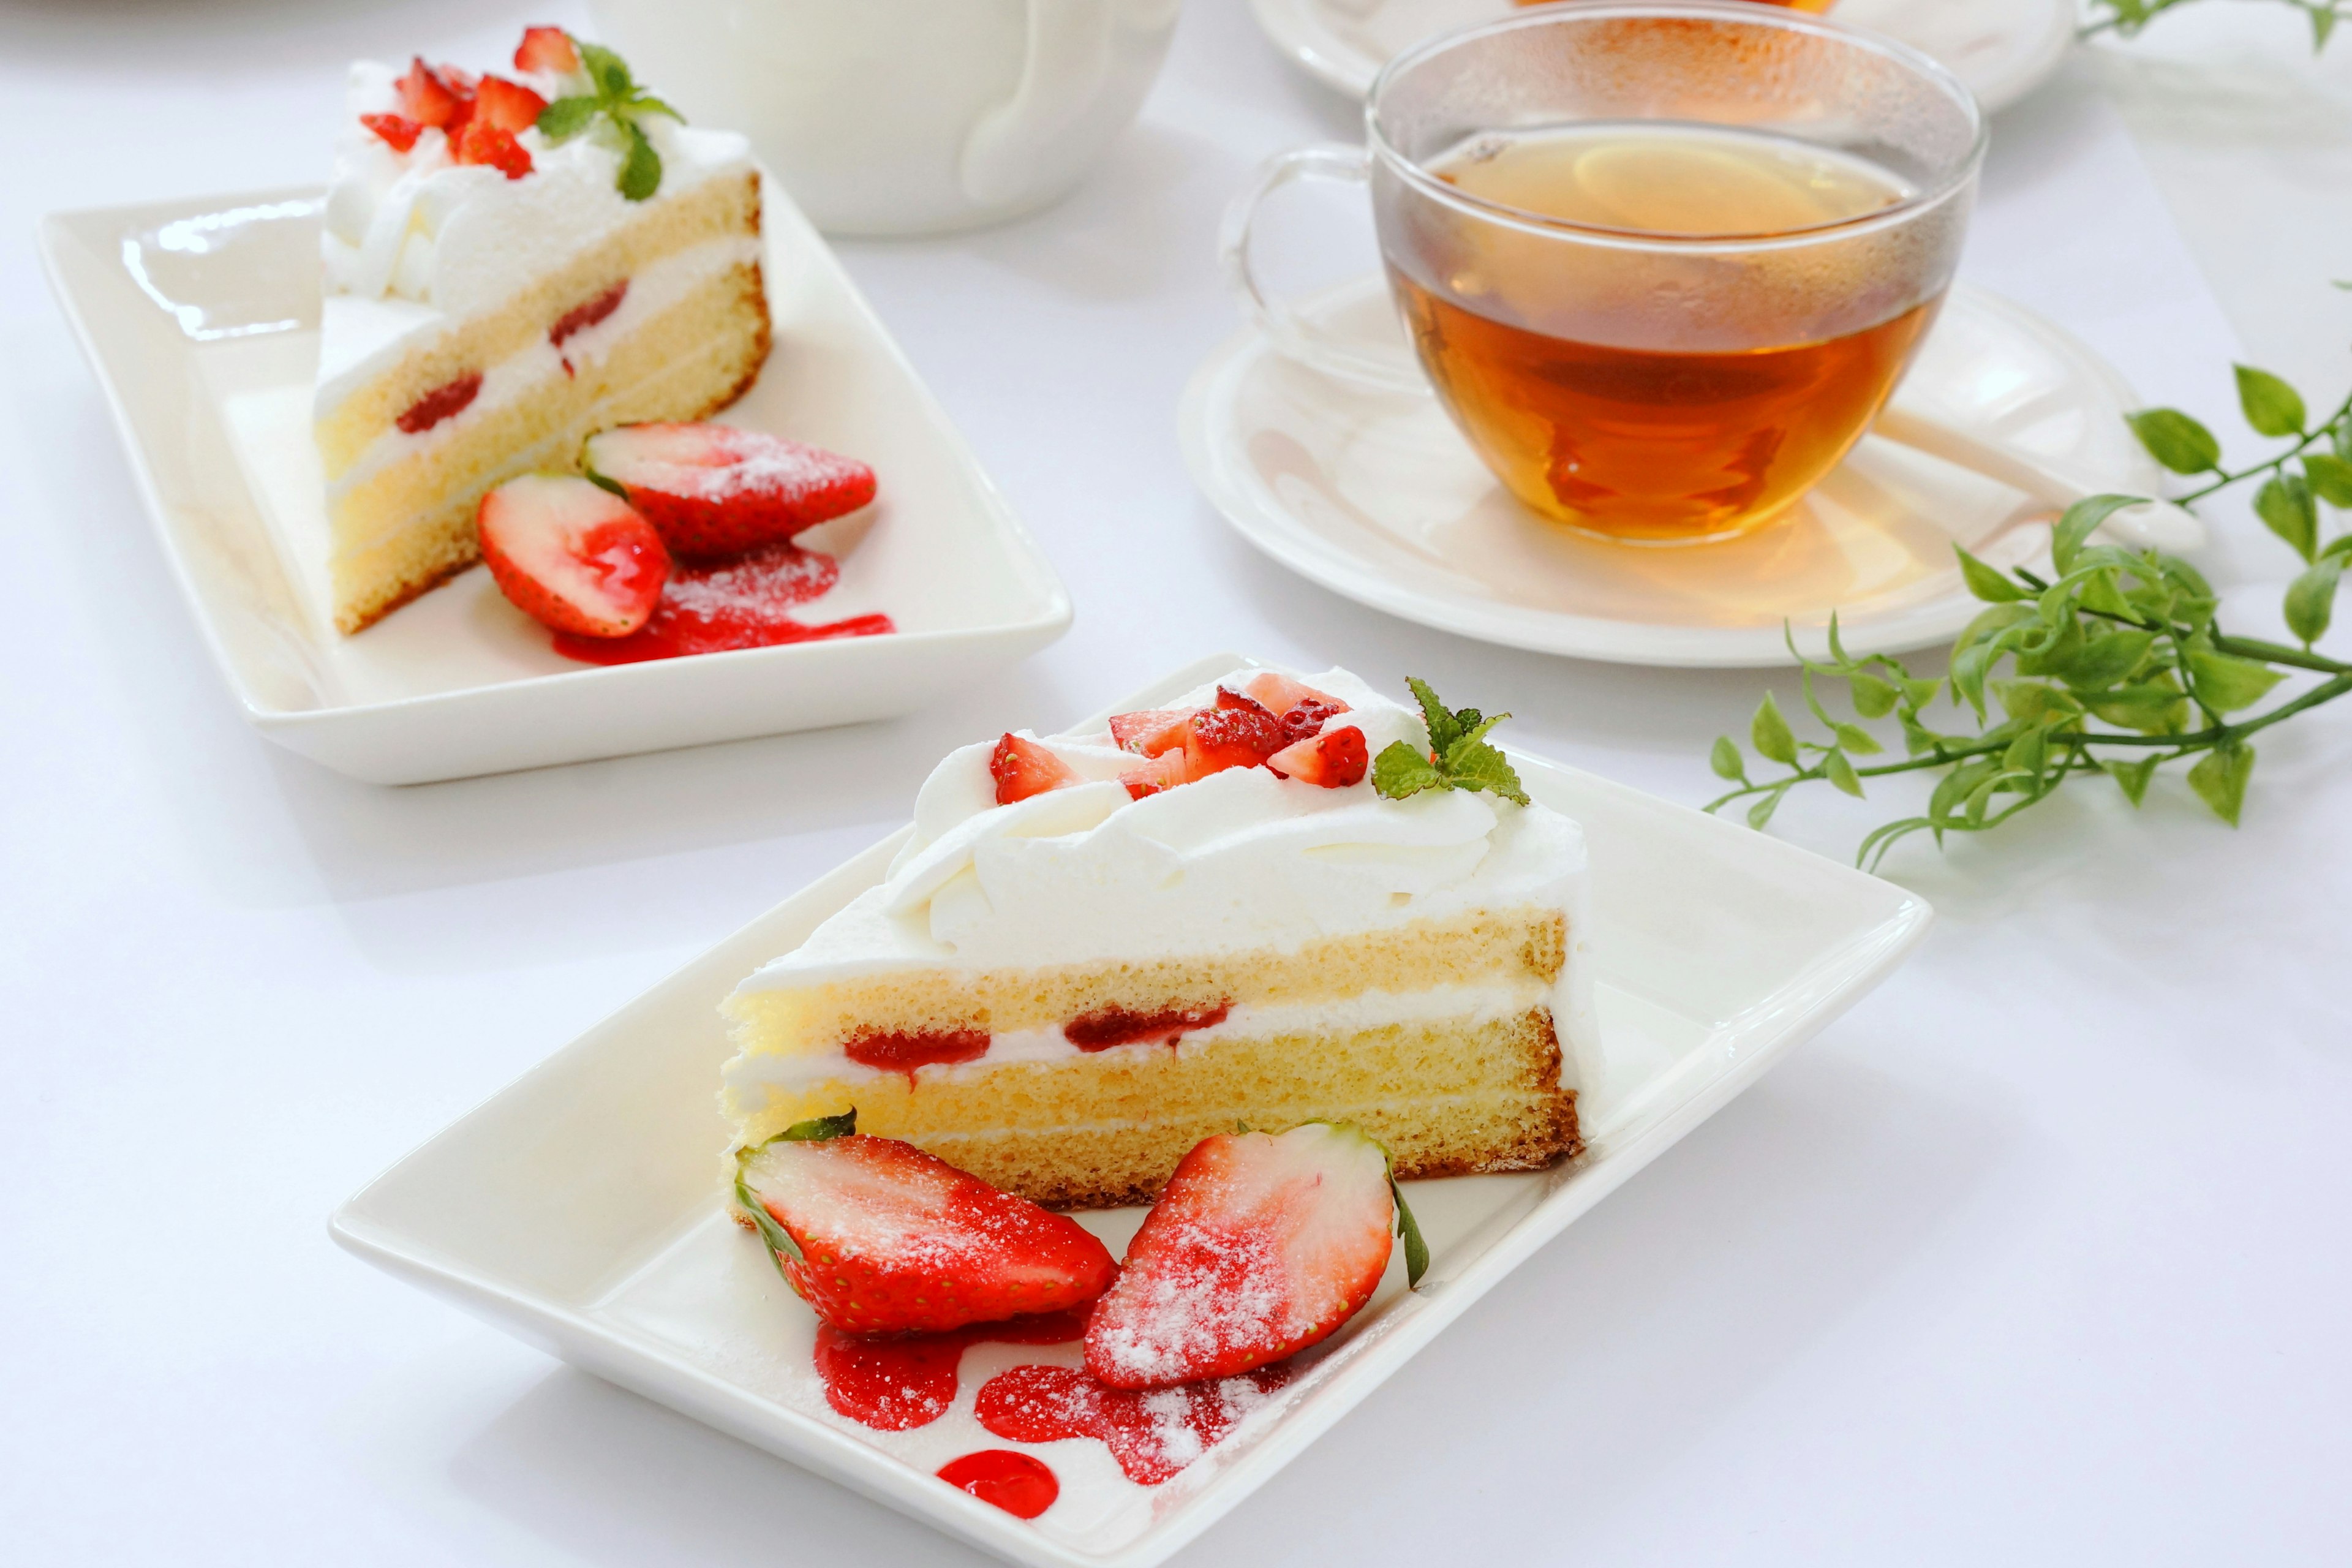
(580, 1208)
(200, 320)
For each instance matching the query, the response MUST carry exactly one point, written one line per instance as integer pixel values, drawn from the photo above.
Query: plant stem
(2225, 478)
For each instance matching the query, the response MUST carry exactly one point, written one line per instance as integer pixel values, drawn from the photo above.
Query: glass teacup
(1663, 264)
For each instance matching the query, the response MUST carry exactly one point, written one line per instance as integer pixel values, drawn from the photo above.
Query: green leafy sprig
(2115, 666)
(1459, 756)
(2125, 18)
(614, 109)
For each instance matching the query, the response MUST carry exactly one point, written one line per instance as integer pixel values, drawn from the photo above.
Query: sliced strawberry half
(573, 556)
(492, 147)
(1260, 1246)
(431, 96)
(713, 490)
(547, 50)
(1149, 732)
(1280, 694)
(1022, 768)
(882, 1239)
(509, 105)
(1334, 759)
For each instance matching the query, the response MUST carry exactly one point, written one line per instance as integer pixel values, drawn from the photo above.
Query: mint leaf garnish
(617, 107)
(1459, 756)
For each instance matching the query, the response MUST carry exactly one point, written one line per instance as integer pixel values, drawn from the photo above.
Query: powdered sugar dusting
(1211, 1291)
(1153, 1435)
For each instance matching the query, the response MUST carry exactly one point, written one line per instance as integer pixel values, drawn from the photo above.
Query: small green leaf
(2338, 549)
(2074, 525)
(2225, 683)
(643, 102)
(2153, 707)
(2034, 702)
(1957, 785)
(1873, 698)
(1917, 692)
(607, 70)
(2101, 661)
(2329, 477)
(1770, 735)
(2283, 503)
(1443, 729)
(2311, 599)
(819, 1129)
(1727, 761)
(1884, 837)
(2176, 441)
(2133, 776)
(1855, 739)
(1993, 587)
(567, 117)
(1761, 811)
(1840, 771)
(1400, 772)
(1969, 670)
(1474, 765)
(2271, 406)
(641, 171)
(2026, 754)
(2219, 780)
(602, 483)
(2323, 23)
(1416, 1250)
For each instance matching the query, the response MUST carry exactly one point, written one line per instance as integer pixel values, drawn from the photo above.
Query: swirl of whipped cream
(462, 239)
(1237, 860)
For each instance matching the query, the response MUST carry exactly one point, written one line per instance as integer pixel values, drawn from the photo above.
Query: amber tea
(1648, 393)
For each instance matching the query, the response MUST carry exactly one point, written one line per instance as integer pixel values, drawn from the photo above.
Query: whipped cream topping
(1240, 860)
(419, 239)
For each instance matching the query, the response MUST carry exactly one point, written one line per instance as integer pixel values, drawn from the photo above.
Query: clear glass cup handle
(1293, 335)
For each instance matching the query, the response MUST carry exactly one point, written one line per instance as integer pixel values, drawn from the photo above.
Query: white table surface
(2040, 1256)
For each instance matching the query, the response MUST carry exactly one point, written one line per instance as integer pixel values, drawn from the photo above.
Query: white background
(2040, 1256)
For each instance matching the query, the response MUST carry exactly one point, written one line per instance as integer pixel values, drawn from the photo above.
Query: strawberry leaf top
(817, 1130)
(1459, 757)
(614, 108)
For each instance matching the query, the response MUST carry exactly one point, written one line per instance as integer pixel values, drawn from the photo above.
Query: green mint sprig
(2125, 18)
(615, 106)
(2115, 666)
(1459, 756)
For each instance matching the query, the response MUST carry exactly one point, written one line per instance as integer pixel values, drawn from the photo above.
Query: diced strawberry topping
(449, 399)
(887, 1239)
(546, 51)
(573, 556)
(488, 144)
(1335, 759)
(1281, 694)
(431, 96)
(1259, 1246)
(1149, 732)
(1022, 768)
(1308, 718)
(509, 105)
(1165, 771)
(399, 132)
(714, 489)
(1231, 737)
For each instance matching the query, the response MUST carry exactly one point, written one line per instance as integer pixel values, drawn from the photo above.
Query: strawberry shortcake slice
(1280, 899)
(514, 259)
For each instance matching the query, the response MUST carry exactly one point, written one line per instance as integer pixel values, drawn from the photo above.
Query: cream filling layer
(652, 290)
(1469, 1006)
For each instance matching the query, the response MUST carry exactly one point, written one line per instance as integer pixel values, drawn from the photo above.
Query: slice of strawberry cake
(512, 263)
(1279, 900)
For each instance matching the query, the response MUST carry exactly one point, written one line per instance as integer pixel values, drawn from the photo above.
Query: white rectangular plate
(200, 318)
(580, 1208)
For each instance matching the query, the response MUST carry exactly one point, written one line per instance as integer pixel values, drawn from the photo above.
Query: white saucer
(2001, 48)
(200, 317)
(1376, 496)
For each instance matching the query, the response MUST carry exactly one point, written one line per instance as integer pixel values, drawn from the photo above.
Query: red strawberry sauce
(1108, 1026)
(1021, 1485)
(443, 401)
(583, 317)
(892, 1382)
(1153, 1433)
(745, 601)
(905, 1050)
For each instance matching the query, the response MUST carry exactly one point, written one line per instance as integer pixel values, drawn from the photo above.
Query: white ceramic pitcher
(904, 117)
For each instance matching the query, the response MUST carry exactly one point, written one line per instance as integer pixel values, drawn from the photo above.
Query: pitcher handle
(1293, 335)
(1064, 63)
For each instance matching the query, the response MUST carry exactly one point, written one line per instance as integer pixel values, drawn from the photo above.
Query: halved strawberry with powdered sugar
(1334, 759)
(1022, 768)
(1259, 1246)
(882, 1239)
(713, 490)
(548, 50)
(570, 555)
